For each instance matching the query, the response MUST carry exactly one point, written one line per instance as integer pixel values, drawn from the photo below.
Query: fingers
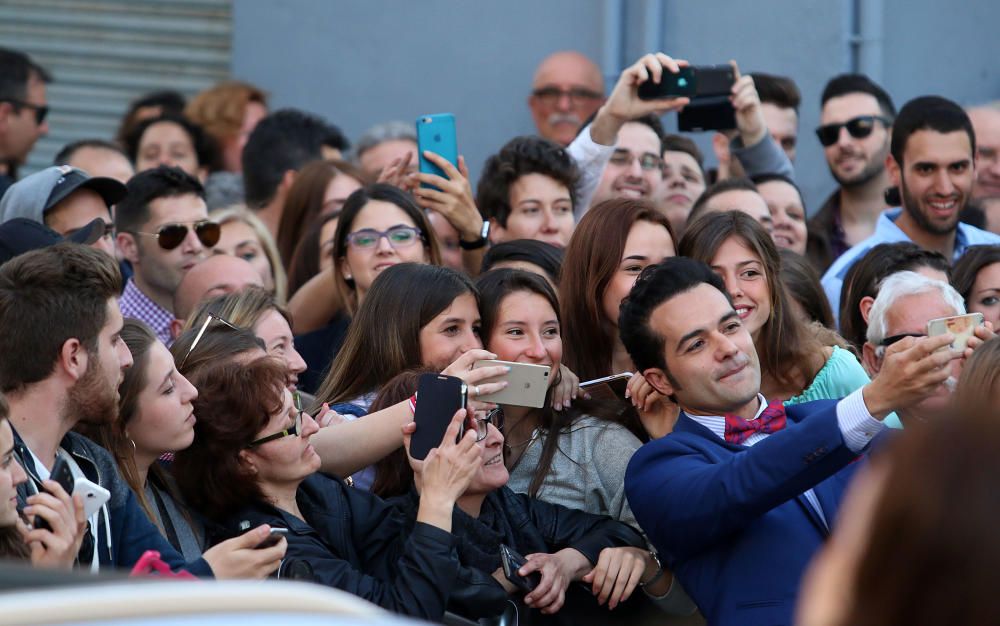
(462, 168)
(736, 69)
(446, 165)
(451, 433)
(482, 374)
(630, 584)
(464, 363)
(251, 538)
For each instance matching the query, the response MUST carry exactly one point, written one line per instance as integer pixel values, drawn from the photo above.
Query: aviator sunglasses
(858, 127)
(169, 236)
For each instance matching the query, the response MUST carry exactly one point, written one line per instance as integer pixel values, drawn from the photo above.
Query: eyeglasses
(647, 161)
(494, 417)
(41, 111)
(169, 236)
(201, 333)
(577, 95)
(295, 429)
(858, 127)
(398, 237)
(109, 229)
(888, 341)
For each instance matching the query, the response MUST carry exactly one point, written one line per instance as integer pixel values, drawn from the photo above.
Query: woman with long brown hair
(611, 245)
(799, 361)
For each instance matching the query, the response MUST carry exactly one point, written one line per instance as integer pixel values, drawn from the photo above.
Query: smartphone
(62, 474)
(709, 113)
(273, 538)
(962, 326)
(438, 397)
(437, 134)
(690, 82)
(511, 562)
(527, 384)
(608, 387)
(94, 496)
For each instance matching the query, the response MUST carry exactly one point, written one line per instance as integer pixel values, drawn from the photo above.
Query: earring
(348, 277)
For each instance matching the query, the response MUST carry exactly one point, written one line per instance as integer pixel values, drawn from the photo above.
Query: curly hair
(519, 157)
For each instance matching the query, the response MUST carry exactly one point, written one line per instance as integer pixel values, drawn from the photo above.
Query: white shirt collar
(717, 423)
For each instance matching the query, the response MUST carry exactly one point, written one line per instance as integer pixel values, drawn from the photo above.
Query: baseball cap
(33, 195)
(22, 234)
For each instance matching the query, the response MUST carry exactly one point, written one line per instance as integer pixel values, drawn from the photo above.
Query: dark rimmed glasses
(211, 317)
(169, 236)
(858, 127)
(41, 111)
(495, 417)
(577, 95)
(294, 429)
(398, 237)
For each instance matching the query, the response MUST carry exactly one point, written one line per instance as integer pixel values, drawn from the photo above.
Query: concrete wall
(359, 63)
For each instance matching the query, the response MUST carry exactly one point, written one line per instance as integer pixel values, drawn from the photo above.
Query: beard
(912, 207)
(92, 400)
(872, 170)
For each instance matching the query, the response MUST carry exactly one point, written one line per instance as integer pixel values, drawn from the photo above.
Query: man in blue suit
(740, 495)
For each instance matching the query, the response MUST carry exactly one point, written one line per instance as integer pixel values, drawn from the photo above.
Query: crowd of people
(222, 315)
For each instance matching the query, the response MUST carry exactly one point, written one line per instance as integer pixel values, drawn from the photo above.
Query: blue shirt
(886, 231)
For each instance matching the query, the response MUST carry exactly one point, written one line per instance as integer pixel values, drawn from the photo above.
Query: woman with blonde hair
(245, 236)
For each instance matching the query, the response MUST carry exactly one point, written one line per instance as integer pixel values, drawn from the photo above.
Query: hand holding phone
(273, 538)
(527, 384)
(62, 474)
(963, 327)
(436, 133)
(511, 561)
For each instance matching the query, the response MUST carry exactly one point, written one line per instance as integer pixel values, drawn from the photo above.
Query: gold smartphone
(527, 384)
(962, 326)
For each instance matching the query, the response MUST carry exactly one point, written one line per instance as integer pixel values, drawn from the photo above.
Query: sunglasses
(169, 236)
(888, 341)
(858, 127)
(201, 333)
(647, 161)
(495, 417)
(398, 237)
(41, 111)
(295, 428)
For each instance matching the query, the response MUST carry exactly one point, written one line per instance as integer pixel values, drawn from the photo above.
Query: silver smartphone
(527, 384)
(962, 326)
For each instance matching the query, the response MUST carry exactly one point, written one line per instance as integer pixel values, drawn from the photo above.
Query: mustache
(564, 118)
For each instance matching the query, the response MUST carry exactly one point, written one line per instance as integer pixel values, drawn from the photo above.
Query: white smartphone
(527, 384)
(962, 326)
(94, 496)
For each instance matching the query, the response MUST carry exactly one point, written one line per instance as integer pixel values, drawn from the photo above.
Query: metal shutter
(103, 54)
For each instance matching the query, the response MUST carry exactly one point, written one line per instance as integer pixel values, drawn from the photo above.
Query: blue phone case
(437, 134)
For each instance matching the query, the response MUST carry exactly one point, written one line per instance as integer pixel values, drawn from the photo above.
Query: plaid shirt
(134, 303)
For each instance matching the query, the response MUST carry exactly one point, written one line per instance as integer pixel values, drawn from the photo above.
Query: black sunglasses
(169, 236)
(41, 111)
(858, 127)
(888, 341)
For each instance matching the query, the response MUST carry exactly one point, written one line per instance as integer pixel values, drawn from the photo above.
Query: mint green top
(840, 376)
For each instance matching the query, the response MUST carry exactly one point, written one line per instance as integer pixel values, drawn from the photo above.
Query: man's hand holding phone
(624, 103)
(56, 543)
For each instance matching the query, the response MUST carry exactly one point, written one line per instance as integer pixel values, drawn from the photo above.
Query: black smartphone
(711, 113)
(608, 388)
(511, 562)
(438, 397)
(690, 82)
(62, 474)
(273, 538)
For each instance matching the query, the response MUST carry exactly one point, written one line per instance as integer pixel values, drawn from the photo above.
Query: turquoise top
(840, 376)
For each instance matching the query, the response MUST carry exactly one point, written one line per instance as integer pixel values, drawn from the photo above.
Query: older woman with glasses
(252, 462)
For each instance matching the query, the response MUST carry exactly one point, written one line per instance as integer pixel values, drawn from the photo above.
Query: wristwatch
(484, 233)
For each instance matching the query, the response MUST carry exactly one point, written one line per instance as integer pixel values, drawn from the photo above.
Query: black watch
(484, 233)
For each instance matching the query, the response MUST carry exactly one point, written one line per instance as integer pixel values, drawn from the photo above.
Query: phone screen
(438, 398)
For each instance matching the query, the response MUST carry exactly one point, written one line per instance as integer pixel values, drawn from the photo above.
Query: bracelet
(659, 571)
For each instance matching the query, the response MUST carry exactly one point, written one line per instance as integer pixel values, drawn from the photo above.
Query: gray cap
(33, 195)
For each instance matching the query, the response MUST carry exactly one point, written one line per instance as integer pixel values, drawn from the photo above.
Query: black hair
(544, 255)
(284, 140)
(160, 182)
(844, 84)
(929, 113)
(16, 70)
(655, 285)
(169, 101)
(65, 154)
(204, 146)
(518, 157)
(728, 184)
(781, 91)
(680, 143)
(760, 179)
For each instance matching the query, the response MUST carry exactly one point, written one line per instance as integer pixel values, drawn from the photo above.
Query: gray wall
(359, 63)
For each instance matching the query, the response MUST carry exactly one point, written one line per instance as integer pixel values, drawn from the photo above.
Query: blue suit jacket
(730, 520)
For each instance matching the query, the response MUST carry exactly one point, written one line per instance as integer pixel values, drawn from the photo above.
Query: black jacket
(352, 540)
(529, 525)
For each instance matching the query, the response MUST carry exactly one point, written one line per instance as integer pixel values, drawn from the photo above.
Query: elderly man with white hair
(906, 302)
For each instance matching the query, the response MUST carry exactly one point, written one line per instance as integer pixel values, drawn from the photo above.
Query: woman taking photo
(612, 244)
(253, 463)
(799, 362)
